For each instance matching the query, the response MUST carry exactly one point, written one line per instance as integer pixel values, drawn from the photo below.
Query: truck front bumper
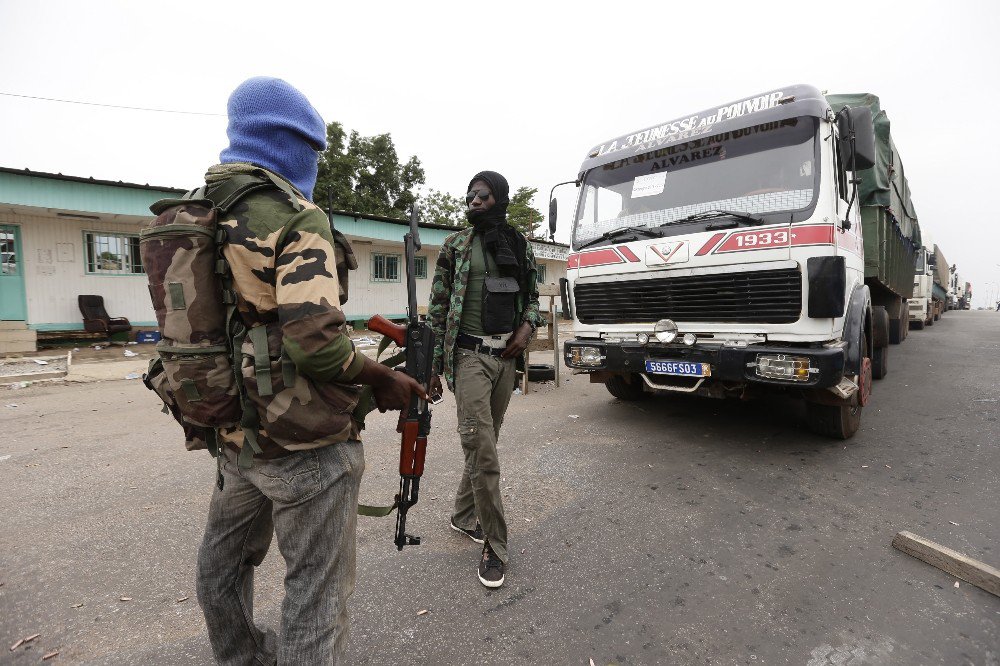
(824, 366)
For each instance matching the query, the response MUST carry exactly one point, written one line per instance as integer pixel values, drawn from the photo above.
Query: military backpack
(196, 370)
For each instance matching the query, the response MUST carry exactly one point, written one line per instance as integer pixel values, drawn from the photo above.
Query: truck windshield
(759, 170)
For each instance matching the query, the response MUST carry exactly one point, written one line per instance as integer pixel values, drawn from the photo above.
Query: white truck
(929, 283)
(721, 254)
(959, 292)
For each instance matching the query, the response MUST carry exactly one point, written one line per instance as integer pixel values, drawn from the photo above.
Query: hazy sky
(524, 88)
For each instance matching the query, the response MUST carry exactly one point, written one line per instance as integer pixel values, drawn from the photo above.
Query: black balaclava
(501, 240)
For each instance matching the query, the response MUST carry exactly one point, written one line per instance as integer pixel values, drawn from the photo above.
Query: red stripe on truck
(707, 247)
(600, 258)
(629, 254)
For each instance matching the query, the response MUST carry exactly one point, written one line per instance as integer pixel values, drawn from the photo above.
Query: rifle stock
(395, 332)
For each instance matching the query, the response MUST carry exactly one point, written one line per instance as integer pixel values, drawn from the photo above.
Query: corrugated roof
(71, 193)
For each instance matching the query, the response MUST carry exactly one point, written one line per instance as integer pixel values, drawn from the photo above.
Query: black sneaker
(491, 568)
(476, 534)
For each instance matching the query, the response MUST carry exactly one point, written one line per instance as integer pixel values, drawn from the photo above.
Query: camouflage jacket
(451, 276)
(290, 276)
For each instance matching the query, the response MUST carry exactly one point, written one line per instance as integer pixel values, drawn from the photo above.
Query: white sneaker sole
(489, 583)
(461, 531)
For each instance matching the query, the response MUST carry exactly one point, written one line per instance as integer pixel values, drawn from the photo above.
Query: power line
(112, 106)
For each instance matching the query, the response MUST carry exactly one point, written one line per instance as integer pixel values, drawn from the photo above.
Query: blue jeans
(309, 500)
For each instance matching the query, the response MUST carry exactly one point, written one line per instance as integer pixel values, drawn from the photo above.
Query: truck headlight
(585, 357)
(780, 366)
(665, 330)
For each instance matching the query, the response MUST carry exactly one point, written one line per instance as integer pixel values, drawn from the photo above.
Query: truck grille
(763, 297)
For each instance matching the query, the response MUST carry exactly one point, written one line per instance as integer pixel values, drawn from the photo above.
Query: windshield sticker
(649, 185)
(697, 150)
(691, 126)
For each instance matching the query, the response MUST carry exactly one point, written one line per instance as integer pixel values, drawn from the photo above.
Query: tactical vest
(197, 372)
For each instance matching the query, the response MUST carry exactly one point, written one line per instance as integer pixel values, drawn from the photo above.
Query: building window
(541, 273)
(385, 268)
(420, 264)
(112, 254)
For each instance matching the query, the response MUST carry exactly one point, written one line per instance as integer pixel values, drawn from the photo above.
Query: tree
(442, 208)
(363, 174)
(521, 214)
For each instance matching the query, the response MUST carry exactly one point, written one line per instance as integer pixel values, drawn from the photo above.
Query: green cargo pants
(483, 386)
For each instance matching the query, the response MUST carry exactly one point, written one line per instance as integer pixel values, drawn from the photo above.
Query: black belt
(475, 344)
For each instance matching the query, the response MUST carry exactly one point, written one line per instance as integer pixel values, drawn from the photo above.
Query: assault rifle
(418, 339)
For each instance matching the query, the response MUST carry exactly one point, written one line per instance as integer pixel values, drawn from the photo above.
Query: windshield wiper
(645, 231)
(713, 214)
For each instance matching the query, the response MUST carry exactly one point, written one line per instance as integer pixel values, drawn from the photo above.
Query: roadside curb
(31, 377)
(105, 370)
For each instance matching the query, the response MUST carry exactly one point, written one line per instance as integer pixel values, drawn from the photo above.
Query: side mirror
(552, 215)
(856, 121)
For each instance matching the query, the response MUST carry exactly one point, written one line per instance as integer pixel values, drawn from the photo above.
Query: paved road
(674, 531)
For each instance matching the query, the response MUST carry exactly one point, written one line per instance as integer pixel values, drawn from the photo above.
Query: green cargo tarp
(885, 184)
(891, 230)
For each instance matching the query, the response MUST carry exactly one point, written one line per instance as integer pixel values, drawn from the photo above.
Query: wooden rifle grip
(395, 332)
(410, 450)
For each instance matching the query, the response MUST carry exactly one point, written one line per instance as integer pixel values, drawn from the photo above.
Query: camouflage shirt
(290, 277)
(448, 294)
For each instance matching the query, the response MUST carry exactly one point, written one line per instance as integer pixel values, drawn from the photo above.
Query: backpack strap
(228, 192)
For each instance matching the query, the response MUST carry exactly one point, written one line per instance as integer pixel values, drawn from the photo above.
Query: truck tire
(937, 316)
(880, 327)
(930, 322)
(541, 372)
(880, 362)
(896, 332)
(623, 389)
(836, 421)
(840, 421)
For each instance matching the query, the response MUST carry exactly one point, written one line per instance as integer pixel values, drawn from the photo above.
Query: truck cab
(921, 304)
(721, 254)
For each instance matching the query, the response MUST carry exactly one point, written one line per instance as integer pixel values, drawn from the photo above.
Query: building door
(12, 302)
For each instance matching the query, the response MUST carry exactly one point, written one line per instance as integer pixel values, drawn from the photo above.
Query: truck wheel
(880, 327)
(931, 320)
(896, 333)
(836, 421)
(842, 421)
(880, 362)
(626, 389)
(937, 316)
(541, 372)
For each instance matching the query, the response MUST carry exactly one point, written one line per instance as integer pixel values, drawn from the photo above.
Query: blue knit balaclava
(273, 125)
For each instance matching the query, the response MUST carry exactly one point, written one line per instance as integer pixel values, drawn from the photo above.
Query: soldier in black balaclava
(484, 311)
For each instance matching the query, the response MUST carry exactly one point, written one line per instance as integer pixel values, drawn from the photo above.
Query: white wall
(386, 298)
(55, 270)
(55, 273)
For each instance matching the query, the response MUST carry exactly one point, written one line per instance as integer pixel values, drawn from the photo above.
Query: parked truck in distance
(959, 292)
(726, 254)
(930, 282)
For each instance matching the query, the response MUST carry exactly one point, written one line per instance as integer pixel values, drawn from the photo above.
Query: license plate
(682, 368)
